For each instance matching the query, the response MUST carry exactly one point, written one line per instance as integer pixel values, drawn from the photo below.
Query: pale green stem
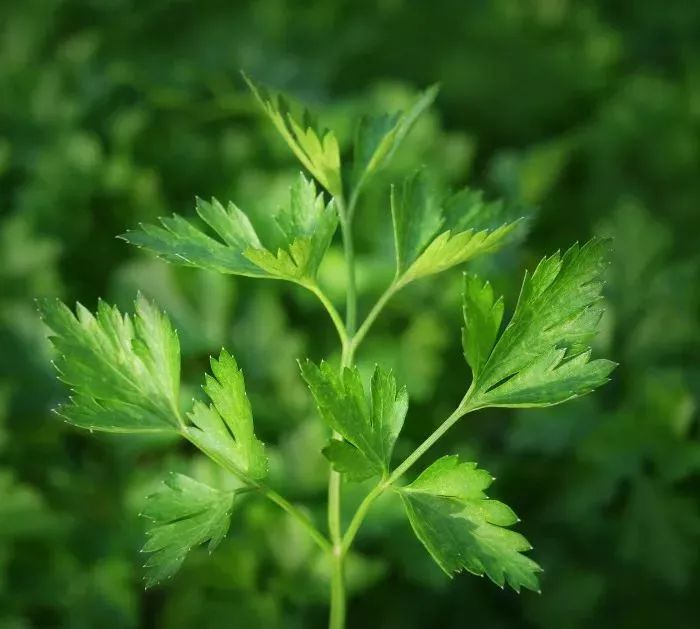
(410, 460)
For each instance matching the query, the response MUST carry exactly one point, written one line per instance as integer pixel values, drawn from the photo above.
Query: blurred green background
(587, 113)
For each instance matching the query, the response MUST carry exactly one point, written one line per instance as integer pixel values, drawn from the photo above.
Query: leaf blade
(420, 215)
(378, 137)
(306, 223)
(317, 149)
(184, 514)
(124, 373)
(224, 429)
(368, 423)
(542, 357)
(463, 529)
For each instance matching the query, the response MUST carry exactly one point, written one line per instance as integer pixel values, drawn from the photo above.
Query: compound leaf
(317, 149)
(224, 429)
(378, 137)
(370, 425)
(463, 529)
(543, 356)
(178, 241)
(306, 225)
(184, 514)
(423, 247)
(124, 372)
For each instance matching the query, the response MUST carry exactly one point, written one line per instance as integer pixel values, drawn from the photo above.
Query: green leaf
(184, 514)
(348, 460)
(543, 356)
(178, 241)
(317, 149)
(463, 529)
(417, 217)
(378, 137)
(124, 372)
(419, 214)
(224, 429)
(482, 319)
(468, 209)
(369, 426)
(306, 225)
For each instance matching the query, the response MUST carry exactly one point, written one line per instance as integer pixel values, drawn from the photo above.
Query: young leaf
(463, 529)
(418, 214)
(417, 217)
(185, 514)
(542, 357)
(482, 319)
(306, 225)
(378, 137)
(124, 373)
(370, 426)
(317, 149)
(224, 429)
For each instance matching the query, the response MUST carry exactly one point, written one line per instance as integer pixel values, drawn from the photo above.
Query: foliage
(126, 376)
(461, 528)
(119, 123)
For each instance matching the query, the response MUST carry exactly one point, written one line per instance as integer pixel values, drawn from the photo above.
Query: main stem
(338, 598)
(349, 248)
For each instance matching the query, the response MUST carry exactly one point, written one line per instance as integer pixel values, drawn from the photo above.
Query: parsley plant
(124, 371)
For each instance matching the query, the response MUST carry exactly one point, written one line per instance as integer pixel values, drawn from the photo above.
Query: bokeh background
(586, 113)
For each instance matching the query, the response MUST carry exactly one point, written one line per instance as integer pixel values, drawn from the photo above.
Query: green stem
(336, 619)
(410, 460)
(385, 484)
(298, 515)
(349, 248)
(338, 595)
(360, 514)
(332, 312)
(359, 336)
(270, 494)
(334, 527)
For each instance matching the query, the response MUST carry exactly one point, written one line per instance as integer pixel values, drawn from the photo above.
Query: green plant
(125, 371)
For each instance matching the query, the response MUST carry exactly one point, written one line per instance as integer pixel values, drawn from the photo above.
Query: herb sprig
(124, 371)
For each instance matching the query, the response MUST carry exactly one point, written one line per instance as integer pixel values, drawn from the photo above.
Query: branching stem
(338, 596)
(387, 483)
(284, 504)
(298, 515)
